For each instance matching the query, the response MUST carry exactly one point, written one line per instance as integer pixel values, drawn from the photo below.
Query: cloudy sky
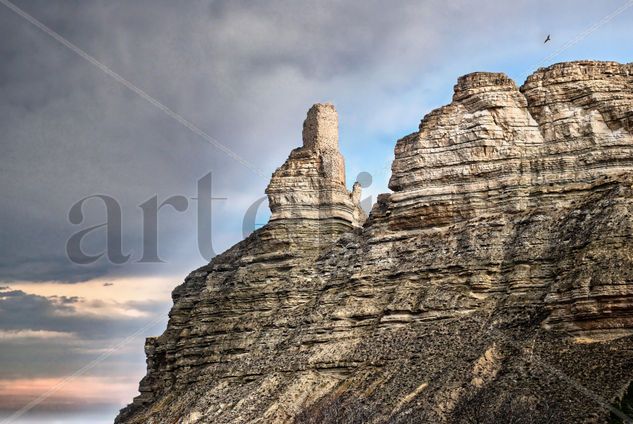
(243, 72)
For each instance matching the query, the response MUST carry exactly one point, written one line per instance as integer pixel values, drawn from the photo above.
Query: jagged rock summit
(493, 285)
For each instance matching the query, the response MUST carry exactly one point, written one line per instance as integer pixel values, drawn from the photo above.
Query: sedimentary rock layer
(311, 184)
(494, 284)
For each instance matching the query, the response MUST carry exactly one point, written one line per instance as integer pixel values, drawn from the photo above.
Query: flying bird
(547, 39)
(108, 284)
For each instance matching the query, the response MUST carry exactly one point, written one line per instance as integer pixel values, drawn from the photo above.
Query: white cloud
(21, 335)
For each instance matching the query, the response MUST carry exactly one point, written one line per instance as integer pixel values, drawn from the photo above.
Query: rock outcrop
(494, 284)
(310, 186)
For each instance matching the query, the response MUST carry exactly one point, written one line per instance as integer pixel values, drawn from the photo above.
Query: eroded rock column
(310, 185)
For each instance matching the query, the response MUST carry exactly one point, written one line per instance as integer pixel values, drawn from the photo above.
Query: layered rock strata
(311, 184)
(494, 284)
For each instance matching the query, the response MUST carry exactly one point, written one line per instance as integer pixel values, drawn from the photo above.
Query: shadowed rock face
(494, 284)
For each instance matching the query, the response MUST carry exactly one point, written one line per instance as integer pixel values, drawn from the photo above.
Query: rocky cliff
(493, 285)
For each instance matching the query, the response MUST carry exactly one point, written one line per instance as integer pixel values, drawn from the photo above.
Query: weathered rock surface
(311, 184)
(494, 284)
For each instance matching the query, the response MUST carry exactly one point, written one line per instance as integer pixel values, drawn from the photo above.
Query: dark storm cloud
(245, 72)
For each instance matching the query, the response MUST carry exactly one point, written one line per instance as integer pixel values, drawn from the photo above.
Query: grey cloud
(88, 334)
(25, 311)
(245, 72)
(49, 358)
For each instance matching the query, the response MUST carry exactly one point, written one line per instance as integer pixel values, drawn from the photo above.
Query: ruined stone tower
(311, 184)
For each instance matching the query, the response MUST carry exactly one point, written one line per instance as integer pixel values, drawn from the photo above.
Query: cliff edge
(493, 285)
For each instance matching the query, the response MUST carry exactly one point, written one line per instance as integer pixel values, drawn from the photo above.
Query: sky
(243, 72)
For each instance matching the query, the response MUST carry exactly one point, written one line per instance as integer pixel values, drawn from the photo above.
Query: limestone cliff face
(494, 284)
